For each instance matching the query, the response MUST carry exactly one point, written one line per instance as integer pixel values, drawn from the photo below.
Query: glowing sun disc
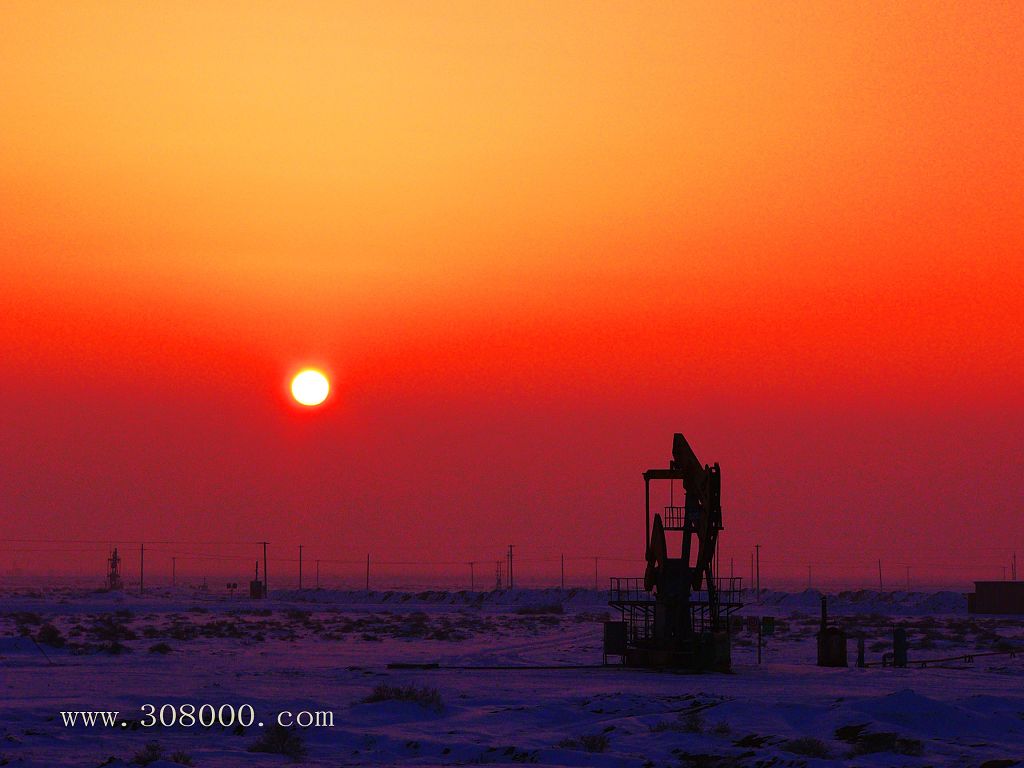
(310, 387)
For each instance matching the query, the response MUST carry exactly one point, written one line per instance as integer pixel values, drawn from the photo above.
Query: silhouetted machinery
(257, 590)
(677, 615)
(114, 571)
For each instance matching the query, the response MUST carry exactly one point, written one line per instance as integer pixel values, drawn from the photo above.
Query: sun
(310, 387)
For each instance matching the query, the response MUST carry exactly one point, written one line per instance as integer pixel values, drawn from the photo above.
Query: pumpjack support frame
(677, 615)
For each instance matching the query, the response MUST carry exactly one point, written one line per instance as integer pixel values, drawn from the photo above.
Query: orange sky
(469, 211)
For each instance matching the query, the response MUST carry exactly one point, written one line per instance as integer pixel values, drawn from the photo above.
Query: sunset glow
(538, 238)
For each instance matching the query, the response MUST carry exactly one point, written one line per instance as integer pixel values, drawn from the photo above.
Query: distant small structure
(900, 647)
(114, 571)
(831, 641)
(256, 589)
(1001, 597)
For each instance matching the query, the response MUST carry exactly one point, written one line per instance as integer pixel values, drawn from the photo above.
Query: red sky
(528, 242)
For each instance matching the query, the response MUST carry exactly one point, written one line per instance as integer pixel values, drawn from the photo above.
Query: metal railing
(631, 590)
(727, 590)
(628, 590)
(706, 614)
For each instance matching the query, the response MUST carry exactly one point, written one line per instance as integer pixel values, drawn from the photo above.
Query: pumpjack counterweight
(677, 615)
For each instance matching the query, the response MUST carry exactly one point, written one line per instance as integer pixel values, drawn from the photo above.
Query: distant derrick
(114, 571)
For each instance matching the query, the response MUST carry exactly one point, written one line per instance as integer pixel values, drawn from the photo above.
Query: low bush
(595, 742)
(428, 698)
(807, 746)
(691, 722)
(871, 743)
(148, 754)
(278, 740)
(50, 635)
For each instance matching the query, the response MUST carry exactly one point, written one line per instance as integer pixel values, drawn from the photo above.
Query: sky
(527, 242)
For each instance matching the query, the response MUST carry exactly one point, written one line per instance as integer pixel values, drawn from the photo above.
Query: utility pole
(757, 557)
(880, 587)
(730, 567)
(300, 567)
(511, 579)
(174, 572)
(142, 564)
(367, 571)
(563, 571)
(266, 582)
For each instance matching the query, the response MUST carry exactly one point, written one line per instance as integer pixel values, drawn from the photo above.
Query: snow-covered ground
(330, 651)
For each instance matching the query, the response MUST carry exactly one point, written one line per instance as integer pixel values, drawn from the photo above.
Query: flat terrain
(329, 651)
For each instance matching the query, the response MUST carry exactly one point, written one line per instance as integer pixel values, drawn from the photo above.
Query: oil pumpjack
(677, 615)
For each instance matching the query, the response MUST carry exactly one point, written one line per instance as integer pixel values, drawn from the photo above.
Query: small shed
(1004, 597)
